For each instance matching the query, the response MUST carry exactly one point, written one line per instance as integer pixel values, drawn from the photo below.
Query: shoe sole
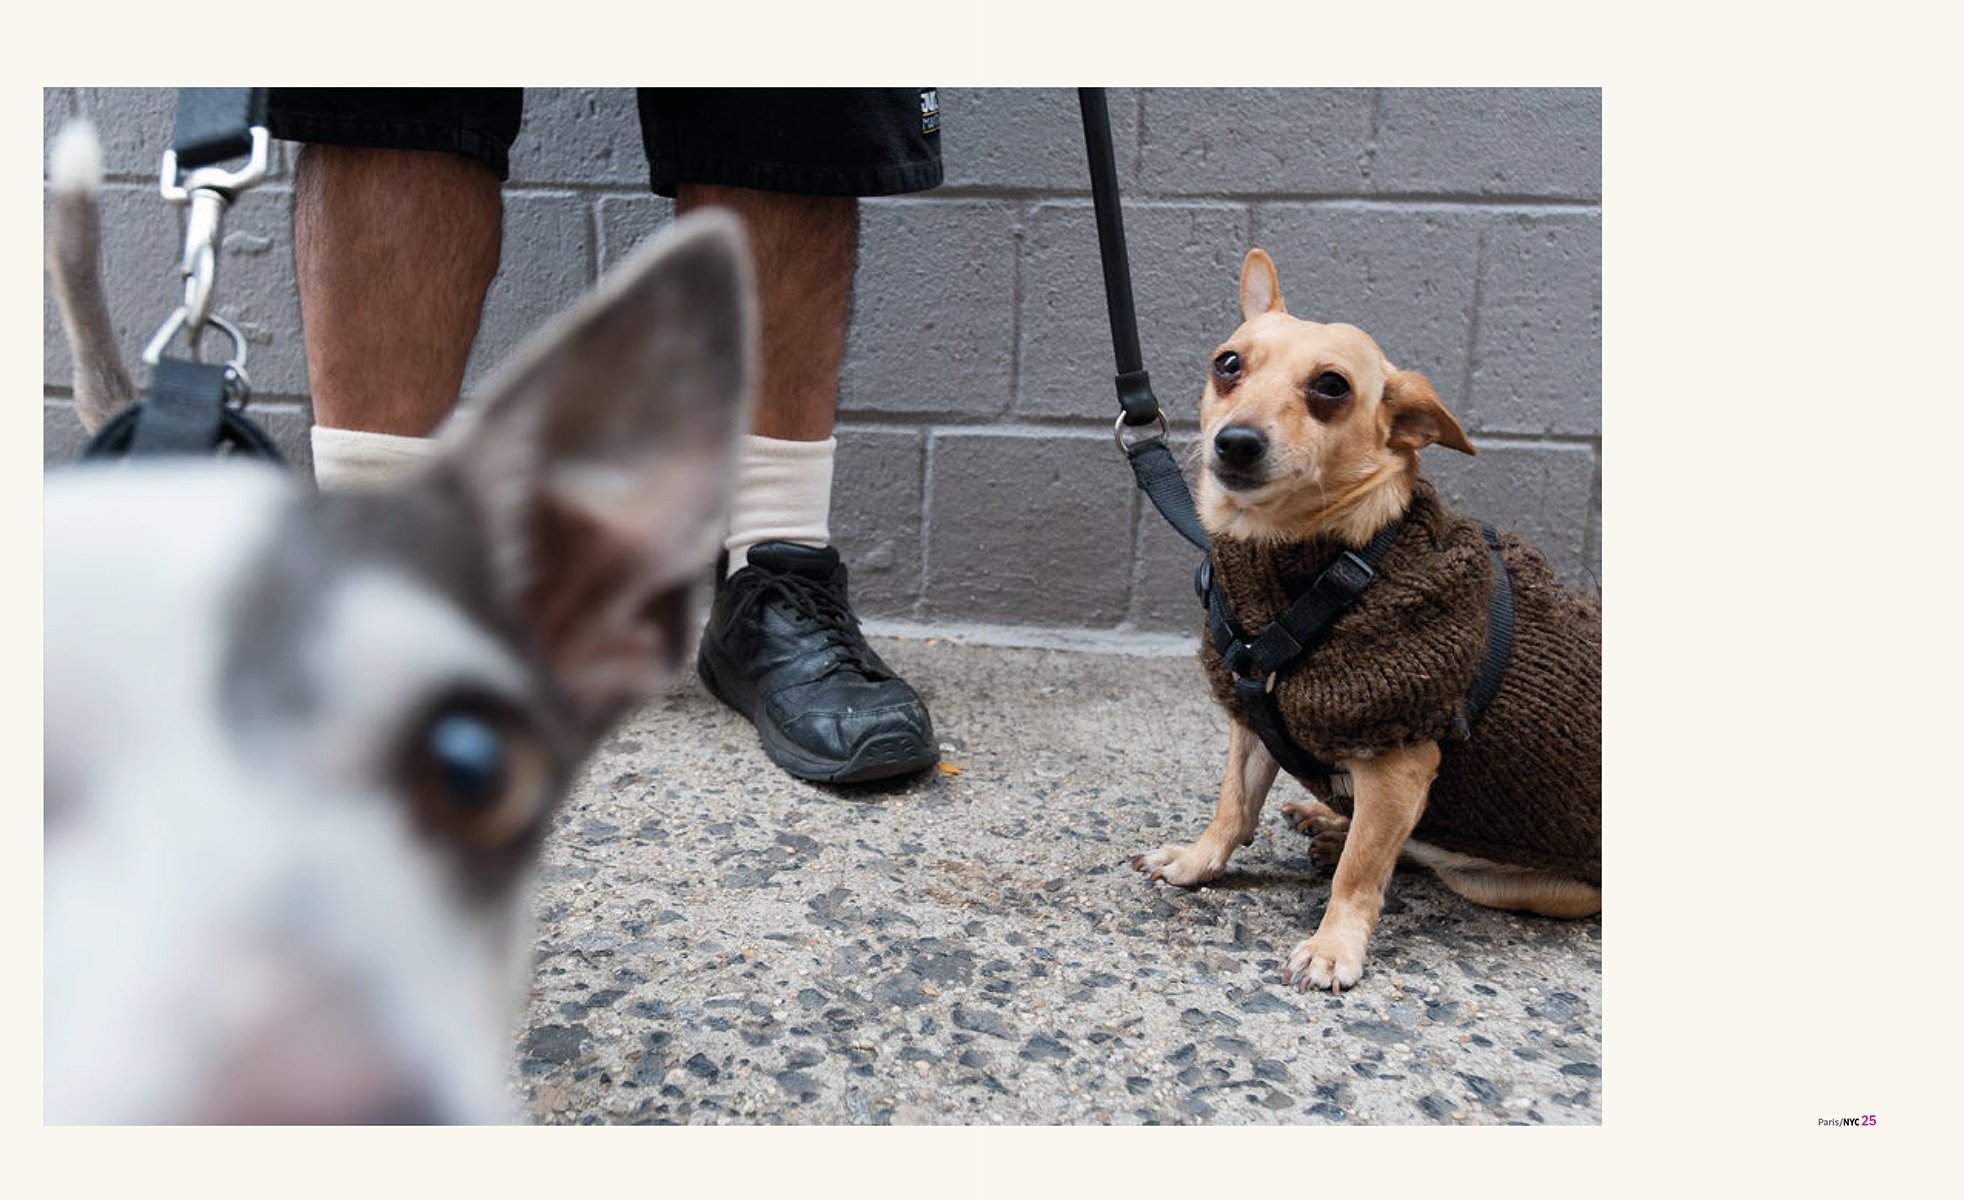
(884, 757)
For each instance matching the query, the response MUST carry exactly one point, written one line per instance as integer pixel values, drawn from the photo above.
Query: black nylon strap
(1159, 477)
(183, 411)
(1263, 715)
(1257, 663)
(1500, 633)
(1336, 588)
(214, 124)
(1135, 398)
(237, 435)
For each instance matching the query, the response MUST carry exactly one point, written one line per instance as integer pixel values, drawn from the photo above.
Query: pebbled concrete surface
(719, 943)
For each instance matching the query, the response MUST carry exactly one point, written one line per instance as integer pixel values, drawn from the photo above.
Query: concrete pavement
(719, 943)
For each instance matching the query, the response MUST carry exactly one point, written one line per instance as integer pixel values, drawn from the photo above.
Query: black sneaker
(783, 648)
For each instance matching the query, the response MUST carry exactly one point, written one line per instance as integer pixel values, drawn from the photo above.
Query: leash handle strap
(214, 124)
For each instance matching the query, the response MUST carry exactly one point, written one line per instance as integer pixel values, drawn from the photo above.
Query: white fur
(196, 883)
(243, 920)
(75, 159)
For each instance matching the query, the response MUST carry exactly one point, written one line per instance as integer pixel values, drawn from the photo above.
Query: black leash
(194, 407)
(1153, 465)
(1256, 663)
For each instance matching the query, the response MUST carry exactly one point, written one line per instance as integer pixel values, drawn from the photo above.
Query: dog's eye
(1227, 365)
(476, 773)
(470, 759)
(1330, 386)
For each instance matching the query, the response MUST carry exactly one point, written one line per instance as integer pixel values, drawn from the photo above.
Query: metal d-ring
(176, 322)
(1118, 432)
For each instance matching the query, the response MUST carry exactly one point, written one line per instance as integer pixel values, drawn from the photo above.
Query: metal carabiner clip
(209, 192)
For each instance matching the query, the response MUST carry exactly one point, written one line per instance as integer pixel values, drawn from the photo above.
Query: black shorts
(809, 141)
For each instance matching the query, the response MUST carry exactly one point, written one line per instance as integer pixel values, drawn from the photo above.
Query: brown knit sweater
(1525, 786)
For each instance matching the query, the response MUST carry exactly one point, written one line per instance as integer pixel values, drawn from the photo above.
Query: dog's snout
(1240, 446)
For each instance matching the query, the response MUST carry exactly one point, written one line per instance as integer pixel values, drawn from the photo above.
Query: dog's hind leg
(1327, 828)
(1501, 885)
(1244, 788)
(1484, 882)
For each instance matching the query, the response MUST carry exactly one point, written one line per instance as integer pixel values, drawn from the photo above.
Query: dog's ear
(1261, 287)
(602, 457)
(1418, 417)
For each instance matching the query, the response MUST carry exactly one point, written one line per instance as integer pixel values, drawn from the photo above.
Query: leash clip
(208, 192)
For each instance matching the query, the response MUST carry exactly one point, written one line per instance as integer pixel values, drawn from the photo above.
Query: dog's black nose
(1240, 445)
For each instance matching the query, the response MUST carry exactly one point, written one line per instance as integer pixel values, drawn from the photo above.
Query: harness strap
(185, 412)
(1257, 663)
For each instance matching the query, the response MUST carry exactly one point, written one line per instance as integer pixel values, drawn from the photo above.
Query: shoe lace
(819, 608)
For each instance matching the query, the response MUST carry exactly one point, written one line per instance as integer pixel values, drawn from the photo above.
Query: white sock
(783, 493)
(349, 458)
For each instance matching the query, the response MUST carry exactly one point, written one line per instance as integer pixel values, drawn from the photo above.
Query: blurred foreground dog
(300, 749)
(1312, 441)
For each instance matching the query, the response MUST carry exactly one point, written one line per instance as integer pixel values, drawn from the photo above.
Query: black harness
(1257, 662)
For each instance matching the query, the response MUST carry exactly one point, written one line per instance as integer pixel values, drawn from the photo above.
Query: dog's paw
(1185, 866)
(1314, 816)
(1327, 829)
(1331, 959)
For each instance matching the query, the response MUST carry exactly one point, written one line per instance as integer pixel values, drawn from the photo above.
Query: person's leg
(397, 224)
(782, 645)
(804, 250)
(395, 250)
(808, 243)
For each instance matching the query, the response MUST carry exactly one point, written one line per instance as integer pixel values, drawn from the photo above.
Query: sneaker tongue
(817, 562)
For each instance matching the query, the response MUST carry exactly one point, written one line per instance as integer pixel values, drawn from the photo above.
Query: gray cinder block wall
(977, 480)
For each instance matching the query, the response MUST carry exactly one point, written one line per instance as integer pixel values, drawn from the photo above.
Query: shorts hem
(392, 134)
(883, 179)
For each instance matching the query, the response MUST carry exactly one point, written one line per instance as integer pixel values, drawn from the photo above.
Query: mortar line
(1018, 239)
(948, 193)
(928, 455)
(1369, 165)
(1473, 328)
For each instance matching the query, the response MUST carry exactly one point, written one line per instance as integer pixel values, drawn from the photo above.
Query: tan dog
(1312, 441)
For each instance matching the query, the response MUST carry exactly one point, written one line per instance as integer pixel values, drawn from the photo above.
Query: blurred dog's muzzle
(307, 1055)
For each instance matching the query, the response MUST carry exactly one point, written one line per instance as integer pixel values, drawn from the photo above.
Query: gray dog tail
(102, 384)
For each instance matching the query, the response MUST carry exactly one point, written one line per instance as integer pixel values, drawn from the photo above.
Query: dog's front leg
(1390, 794)
(1250, 773)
